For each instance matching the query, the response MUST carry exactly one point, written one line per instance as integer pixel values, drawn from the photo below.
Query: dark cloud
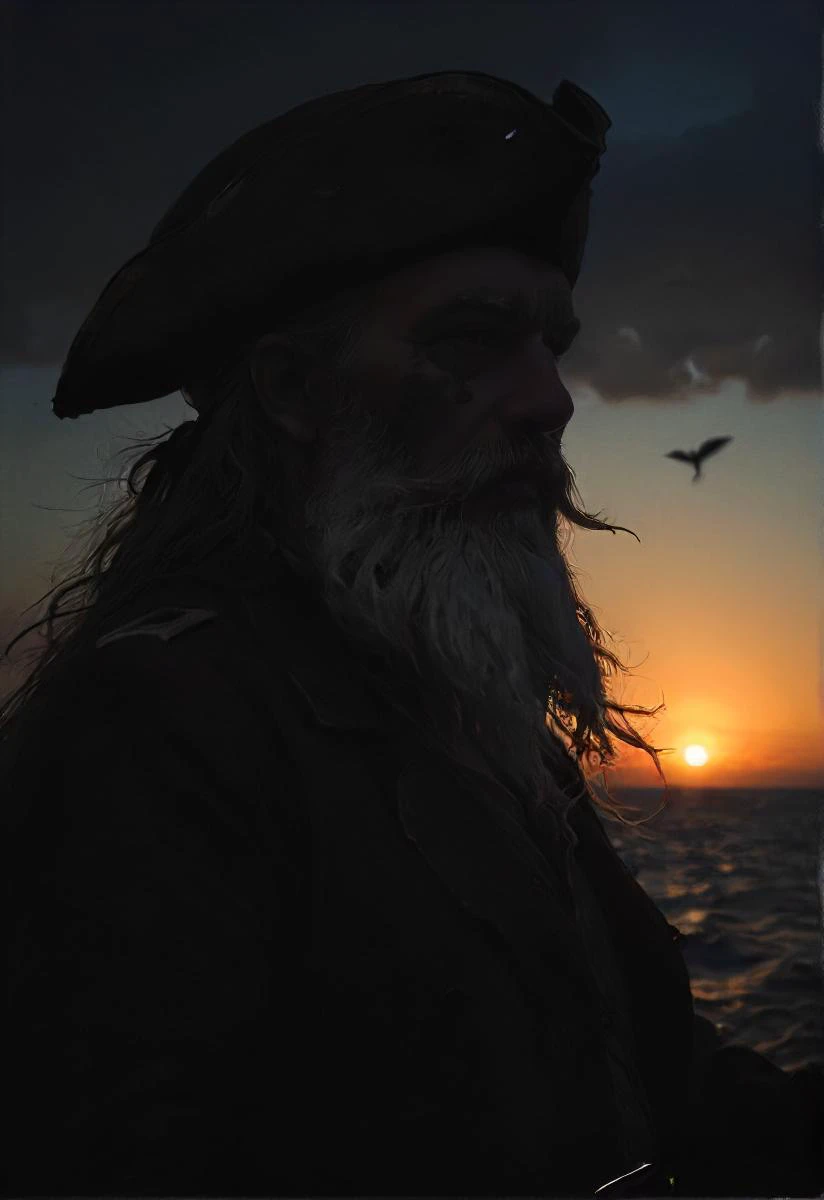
(704, 259)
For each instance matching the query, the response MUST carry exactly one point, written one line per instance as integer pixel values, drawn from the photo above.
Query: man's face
(420, 557)
(458, 353)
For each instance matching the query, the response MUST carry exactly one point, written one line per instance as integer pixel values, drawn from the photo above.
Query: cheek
(417, 400)
(429, 404)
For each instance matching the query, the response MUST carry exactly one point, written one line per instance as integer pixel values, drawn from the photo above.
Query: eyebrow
(545, 306)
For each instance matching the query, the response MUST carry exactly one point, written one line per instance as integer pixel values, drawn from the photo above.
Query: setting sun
(696, 756)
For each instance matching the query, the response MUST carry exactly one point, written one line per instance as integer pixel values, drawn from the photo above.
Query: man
(309, 895)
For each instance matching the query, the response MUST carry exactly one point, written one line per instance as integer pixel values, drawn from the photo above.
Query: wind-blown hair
(207, 486)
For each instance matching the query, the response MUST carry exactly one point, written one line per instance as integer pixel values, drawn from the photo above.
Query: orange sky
(719, 608)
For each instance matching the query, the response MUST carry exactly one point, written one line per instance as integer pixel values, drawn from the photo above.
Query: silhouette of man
(309, 893)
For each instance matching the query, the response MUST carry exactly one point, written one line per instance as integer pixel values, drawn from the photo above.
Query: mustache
(547, 473)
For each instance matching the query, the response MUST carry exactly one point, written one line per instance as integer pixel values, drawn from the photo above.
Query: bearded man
(309, 892)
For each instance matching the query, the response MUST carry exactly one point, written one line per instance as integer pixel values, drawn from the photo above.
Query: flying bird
(696, 457)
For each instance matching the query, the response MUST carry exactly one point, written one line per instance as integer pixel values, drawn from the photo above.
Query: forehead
(495, 272)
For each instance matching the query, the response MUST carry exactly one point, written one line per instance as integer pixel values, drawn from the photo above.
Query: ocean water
(738, 873)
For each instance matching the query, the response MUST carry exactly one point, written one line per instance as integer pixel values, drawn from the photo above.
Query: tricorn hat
(341, 190)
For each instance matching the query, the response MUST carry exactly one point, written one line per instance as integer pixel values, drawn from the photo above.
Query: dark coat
(263, 943)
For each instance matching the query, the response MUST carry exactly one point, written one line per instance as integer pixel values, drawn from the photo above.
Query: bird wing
(680, 455)
(712, 446)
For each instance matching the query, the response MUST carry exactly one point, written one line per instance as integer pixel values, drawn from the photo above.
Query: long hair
(209, 484)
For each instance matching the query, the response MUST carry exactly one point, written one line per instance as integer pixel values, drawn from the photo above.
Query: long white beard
(476, 618)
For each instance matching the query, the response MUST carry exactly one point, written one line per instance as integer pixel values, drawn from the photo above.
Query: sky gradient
(699, 296)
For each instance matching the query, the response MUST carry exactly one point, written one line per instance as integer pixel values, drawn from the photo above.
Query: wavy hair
(208, 484)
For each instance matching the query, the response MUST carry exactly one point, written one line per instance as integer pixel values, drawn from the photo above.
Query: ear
(280, 373)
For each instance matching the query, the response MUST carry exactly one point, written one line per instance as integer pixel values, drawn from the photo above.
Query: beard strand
(470, 627)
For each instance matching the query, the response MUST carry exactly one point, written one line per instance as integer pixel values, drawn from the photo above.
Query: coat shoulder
(175, 680)
(175, 661)
(189, 659)
(165, 623)
(178, 629)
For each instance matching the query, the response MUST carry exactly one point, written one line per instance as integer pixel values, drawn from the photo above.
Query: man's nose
(527, 392)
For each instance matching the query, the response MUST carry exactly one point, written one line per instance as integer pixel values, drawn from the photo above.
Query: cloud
(632, 335)
(703, 260)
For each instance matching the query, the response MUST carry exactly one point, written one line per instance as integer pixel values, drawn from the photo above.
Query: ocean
(738, 873)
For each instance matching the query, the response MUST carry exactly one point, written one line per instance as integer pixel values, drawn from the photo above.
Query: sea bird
(696, 457)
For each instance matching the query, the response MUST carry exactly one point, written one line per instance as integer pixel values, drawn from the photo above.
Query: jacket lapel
(467, 830)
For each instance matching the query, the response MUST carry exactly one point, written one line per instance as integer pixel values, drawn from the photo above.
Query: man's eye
(496, 339)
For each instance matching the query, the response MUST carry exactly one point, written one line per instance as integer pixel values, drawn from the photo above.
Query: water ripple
(737, 873)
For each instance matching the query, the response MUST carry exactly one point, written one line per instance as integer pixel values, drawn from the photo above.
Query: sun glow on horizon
(695, 756)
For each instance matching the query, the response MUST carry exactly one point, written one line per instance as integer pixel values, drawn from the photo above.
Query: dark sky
(704, 243)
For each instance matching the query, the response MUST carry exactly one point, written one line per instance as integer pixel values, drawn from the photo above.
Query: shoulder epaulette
(165, 623)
